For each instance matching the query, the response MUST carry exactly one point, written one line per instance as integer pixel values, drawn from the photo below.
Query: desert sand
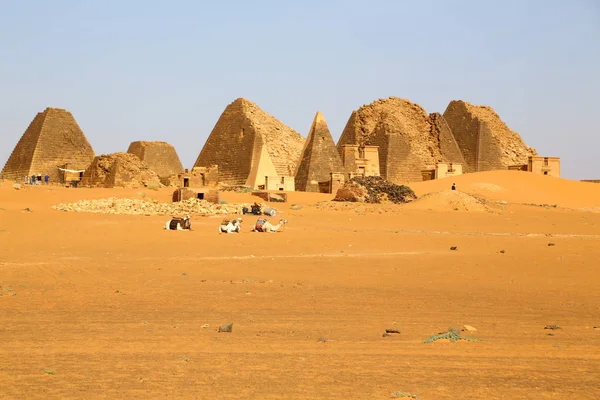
(98, 306)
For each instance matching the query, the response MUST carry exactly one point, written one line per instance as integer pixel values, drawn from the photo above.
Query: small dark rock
(502, 251)
(386, 335)
(392, 331)
(551, 244)
(454, 248)
(226, 328)
(552, 327)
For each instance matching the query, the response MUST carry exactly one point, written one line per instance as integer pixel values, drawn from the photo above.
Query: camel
(262, 225)
(179, 224)
(228, 226)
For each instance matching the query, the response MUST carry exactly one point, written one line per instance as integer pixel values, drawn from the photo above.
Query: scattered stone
(469, 328)
(502, 252)
(374, 189)
(386, 335)
(453, 335)
(552, 327)
(391, 330)
(17, 186)
(296, 207)
(114, 205)
(551, 244)
(205, 326)
(27, 209)
(226, 328)
(403, 394)
(322, 340)
(454, 248)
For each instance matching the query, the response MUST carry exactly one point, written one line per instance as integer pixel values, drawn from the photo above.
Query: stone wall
(161, 157)
(319, 158)
(238, 139)
(52, 140)
(484, 139)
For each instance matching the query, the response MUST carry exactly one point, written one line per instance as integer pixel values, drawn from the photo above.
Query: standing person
(26, 179)
(454, 186)
(32, 180)
(46, 179)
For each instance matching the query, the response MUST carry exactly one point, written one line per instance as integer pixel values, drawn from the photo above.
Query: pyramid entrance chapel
(53, 144)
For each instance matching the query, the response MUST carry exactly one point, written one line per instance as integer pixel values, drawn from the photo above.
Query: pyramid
(485, 141)
(409, 139)
(248, 144)
(160, 157)
(53, 140)
(119, 170)
(319, 157)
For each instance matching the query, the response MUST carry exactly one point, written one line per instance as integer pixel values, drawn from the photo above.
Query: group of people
(37, 179)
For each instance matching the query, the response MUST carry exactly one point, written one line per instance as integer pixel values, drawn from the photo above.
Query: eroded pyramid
(409, 139)
(53, 140)
(119, 170)
(160, 157)
(319, 158)
(485, 141)
(248, 144)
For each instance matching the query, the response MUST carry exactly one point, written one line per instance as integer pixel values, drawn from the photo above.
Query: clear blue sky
(158, 70)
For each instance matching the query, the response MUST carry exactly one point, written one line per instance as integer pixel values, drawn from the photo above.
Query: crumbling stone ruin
(484, 139)
(248, 144)
(319, 159)
(160, 157)
(409, 140)
(119, 170)
(53, 140)
(374, 189)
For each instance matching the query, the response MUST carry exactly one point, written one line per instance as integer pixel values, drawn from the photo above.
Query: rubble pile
(374, 189)
(142, 207)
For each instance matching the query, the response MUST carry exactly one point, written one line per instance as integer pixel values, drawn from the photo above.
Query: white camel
(262, 225)
(228, 226)
(179, 224)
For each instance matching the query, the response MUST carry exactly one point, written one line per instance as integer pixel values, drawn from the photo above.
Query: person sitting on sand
(454, 186)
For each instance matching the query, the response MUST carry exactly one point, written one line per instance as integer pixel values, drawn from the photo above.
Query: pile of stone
(142, 207)
(374, 189)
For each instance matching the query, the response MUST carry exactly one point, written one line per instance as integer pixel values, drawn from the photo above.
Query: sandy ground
(113, 307)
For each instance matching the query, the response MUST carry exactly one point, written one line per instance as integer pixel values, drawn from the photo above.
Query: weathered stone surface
(319, 158)
(484, 139)
(52, 140)
(160, 157)
(374, 189)
(119, 170)
(142, 207)
(248, 144)
(409, 139)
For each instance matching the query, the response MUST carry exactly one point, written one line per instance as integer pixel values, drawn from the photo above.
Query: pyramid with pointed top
(53, 140)
(319, 157)
(248, 144)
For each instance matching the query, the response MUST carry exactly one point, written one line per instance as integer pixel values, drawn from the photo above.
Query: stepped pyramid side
(248, 144)
(160, 157)
(319, 157)
(485, 141)
(52, 140)
(447, 143)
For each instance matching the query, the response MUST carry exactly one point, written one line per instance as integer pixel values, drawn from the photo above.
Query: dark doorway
(200, 196)
(186, 182)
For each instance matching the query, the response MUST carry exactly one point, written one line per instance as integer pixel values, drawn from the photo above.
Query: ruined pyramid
(160, 157)
(319, 158)
(119, 170)
(248, 144)
(409, 140)
(486, 142)
(53, 140)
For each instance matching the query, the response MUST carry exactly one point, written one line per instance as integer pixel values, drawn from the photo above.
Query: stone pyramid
(160, 157)
(485, 141)
(248, 144)
(409, 139)
(319, 157)
(53, 140)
